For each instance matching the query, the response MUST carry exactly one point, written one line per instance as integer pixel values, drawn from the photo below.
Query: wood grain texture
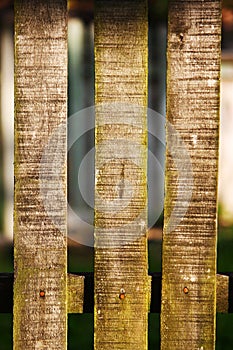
(189, 247)
(75, 293)
(121, 281)
(222, 293)
(40, 306)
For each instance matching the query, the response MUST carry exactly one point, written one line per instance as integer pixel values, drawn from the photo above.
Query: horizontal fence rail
(81, 292)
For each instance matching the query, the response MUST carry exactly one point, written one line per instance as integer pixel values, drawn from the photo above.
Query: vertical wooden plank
(189, 246)
(40, 308)
(121, 281)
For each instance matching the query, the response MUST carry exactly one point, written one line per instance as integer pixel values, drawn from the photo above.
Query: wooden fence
(120, 292)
